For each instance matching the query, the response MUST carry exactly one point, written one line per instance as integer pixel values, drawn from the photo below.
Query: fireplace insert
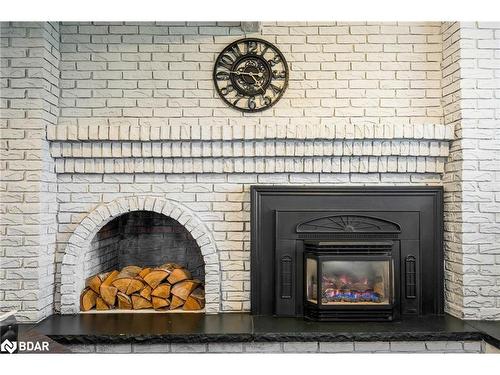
(354, 253)
(349, 280)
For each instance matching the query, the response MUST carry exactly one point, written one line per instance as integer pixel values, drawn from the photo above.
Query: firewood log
(179, 274)
(126, 276)
(139, 302)
(135, 286)
(198, 293)
(101, 304)
(359, 287)
(88, 299)
(94, 282)
(176, 302)
(146, 292)
(169, 266)
(132, 269)
(160, 303)
(155, 277)
(108, 294)
(144, 272)
(193, 304)
(196, 300)
(110, 277)
(124, 301)
(107, 291)
(162, 290)
(184, 288)
(122, 284)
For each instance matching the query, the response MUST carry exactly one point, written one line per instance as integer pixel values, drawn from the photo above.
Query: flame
(345, 279)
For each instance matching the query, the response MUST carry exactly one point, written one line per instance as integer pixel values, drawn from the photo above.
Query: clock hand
(246, 73)
(260, 87)
(255, 74)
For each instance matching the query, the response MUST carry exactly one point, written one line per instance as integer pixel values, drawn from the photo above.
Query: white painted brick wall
(480, 100)
(453, 170)
(138, 91)
(292, 347)
(471, 83)
(160, 73)
(29, 103)
(367, 103)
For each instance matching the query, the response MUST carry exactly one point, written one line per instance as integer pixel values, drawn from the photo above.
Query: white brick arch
(72, 268)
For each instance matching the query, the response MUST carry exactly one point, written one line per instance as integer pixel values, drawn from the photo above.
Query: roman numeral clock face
(251, 75)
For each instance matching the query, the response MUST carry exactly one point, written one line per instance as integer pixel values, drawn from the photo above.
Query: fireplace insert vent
(286, 277)
(384, 315)
(351, 248)
(411, 277)
(346, 236)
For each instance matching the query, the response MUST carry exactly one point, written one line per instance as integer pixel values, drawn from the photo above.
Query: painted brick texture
(161, 73)
(292, 347)
(137, 104)
(29, 97)
(93, 114)
(471, 73)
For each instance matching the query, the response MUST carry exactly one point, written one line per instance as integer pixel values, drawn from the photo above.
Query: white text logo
(24, 346)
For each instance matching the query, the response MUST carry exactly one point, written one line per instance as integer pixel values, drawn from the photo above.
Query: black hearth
(361, 253)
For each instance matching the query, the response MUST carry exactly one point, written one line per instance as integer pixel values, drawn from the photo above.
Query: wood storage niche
(143, 261)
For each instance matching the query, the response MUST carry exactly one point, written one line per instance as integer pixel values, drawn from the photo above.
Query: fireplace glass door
(355, 282)
(350, 281)
(332, 280)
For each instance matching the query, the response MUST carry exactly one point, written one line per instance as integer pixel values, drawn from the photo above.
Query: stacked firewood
(167, 287)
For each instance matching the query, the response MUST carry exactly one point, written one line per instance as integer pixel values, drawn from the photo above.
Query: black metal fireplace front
(358, 253)
(348, 280)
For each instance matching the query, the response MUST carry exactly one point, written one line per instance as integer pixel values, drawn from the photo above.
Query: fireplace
(143, 260)
(148, 241)
(349, 280)
(145, 239)
(358, 253)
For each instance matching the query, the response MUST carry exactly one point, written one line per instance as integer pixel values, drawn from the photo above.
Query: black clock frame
(237, 61)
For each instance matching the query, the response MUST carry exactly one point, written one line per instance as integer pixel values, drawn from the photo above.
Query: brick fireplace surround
(100, 119)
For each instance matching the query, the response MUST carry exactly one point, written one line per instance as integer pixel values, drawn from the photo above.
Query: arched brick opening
(72, 268)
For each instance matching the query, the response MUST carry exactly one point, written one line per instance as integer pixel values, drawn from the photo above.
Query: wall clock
(250, 74)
